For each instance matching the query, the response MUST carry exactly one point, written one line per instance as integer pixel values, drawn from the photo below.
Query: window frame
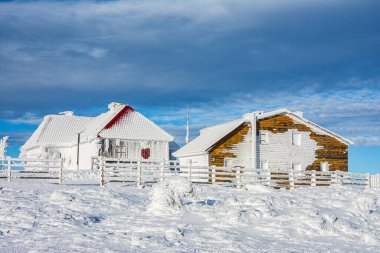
(296, 139)
(324, 166)
(266, 139)
(262, 167)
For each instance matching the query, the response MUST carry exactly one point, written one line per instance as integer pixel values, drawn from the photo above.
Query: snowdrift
(175, 216)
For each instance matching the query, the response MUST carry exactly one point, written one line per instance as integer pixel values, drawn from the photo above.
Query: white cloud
(98, 52)
(354, 114)
(27, 118)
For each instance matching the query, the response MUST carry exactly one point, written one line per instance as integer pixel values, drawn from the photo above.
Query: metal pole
(78, 151)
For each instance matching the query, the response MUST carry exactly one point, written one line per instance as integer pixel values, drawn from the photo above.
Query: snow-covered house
(121, 132)
(279, 139)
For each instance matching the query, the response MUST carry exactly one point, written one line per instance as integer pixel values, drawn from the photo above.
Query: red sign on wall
(145, 153)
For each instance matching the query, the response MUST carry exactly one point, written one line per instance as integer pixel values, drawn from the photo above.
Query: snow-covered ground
(175, 216)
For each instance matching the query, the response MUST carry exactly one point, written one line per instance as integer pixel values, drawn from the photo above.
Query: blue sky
(222, 58)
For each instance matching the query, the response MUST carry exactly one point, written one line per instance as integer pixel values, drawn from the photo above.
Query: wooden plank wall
(331, 149)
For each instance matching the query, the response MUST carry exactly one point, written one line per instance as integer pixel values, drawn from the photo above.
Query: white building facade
(121, 132)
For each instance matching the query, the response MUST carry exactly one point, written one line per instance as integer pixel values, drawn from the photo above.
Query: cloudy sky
(221, 58)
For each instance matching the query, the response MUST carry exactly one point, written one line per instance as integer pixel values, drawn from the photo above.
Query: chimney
(66, 113)
(114, 105)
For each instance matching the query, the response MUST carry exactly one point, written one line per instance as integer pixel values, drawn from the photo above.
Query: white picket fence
(147, 171)
(38, 169)
(141, 172)
(374, 181)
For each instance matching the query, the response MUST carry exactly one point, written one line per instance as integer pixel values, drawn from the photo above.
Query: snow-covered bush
(170, 195)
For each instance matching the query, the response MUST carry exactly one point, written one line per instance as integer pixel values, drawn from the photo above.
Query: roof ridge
(155, 125)
(221, 124)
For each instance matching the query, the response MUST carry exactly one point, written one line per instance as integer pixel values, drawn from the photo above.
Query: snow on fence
(23, 168)
(113, 170)
(374, 181)
(147, 171)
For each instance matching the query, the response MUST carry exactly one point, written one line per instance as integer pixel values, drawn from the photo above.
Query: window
(324, 166)
(264, 137)
(227, 163)
(264, 165)
(296, 139)
(297, 167)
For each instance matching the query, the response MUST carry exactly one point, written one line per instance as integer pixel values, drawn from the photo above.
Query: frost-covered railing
(374, 181)
(147, 171)
(27, 168)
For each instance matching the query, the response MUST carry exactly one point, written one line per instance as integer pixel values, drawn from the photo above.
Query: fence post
(313, 178)
(238, 177)
(213, 175)
(190, 168)
(162, 171)
(9, 169)
(60, 171)
(175, 167)
(139, 174)
(368, 179)
(268, 177)
(291, 179)
(101, 172)
(335, 176)
(338, 179)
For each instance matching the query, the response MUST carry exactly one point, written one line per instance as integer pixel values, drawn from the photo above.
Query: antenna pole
(188, 126)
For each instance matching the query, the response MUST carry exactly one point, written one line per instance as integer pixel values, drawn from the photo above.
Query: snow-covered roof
(132, 125)
(57, 129)
(306, 121)
(122, 122)
(210, 135)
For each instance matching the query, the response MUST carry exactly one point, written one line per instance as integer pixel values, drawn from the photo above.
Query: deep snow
(175, 216)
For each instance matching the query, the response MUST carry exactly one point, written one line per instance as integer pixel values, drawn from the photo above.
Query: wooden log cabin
(279, 139)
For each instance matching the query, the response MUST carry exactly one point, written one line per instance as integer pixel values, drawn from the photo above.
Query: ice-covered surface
(175, 216)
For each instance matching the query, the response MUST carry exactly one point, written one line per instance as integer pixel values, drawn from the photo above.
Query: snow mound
(170, 195)
(75, 175)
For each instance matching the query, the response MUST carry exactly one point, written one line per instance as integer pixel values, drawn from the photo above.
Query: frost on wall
(236, 147)
(280, 153)
(329, 149)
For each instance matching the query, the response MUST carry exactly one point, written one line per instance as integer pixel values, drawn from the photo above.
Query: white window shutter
(296, 139)
(264, 165)
(324, 166)
(297, 167)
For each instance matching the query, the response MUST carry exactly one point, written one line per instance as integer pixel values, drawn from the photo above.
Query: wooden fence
(112, 170)
(148, 171)
(22, 168)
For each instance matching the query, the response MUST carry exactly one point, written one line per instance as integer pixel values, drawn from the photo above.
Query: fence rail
(113, 170)
(119, 170)
(23, 168)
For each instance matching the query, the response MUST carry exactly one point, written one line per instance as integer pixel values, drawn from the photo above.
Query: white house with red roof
(121, 132)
